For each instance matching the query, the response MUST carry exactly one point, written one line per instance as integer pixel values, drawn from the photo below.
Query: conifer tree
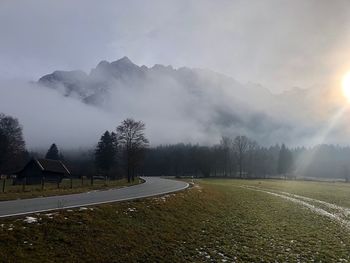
(106, 151)
(285, 160)
(53, 153)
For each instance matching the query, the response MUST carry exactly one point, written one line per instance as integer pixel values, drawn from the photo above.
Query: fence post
(71, 182)
(92, 180)
(82, 180)
(24, 182)
(3, 185)
(42, 183)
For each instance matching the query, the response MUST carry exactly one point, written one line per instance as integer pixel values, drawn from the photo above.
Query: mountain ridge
(124, 68)
(219, 104)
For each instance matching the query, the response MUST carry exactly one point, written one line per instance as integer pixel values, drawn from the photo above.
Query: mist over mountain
(281, 83)
(192, 105)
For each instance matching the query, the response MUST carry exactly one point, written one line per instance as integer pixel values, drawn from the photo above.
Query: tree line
(115, 152)
(126, 152)
(238, 157)
(125, 148)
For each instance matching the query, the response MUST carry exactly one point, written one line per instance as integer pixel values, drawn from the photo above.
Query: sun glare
(346, 86)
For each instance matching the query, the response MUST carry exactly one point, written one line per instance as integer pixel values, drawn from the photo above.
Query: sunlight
(346, 86)
(322, 135)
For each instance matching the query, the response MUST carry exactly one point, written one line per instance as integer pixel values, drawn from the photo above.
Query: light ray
(320, 139)
(346, 86)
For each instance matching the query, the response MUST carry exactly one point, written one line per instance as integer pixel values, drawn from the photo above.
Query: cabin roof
(49, 165)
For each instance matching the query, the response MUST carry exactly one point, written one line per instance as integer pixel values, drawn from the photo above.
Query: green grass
(217, 220)
(333, 192)
(50, 189)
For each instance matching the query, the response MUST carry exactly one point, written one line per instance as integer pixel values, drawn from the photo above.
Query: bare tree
(132, 140)
(225, 145)
(252, 158)
(12, 145)
(240, 147)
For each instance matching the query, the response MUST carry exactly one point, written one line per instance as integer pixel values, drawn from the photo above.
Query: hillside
(207, 102)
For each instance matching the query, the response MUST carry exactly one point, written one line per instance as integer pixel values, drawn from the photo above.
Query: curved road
(151, 187)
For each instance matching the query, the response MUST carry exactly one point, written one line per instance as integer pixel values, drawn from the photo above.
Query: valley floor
(214, 221)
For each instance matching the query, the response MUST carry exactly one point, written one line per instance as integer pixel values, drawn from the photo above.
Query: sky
(277, 43)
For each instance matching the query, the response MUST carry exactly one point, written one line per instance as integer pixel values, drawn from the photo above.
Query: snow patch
(163, 198)
(51, 215)
(130, 210)
(30, 219)
(305, 201)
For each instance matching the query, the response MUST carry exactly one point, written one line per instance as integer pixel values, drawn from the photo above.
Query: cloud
(191, 106)
(47, 117)
(277, 43)
(177, 105)
(280, 44)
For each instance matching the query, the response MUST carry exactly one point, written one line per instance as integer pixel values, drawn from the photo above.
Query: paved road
(152, 187)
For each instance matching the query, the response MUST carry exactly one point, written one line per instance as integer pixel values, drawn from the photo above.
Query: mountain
(124, 73)
(216, 103)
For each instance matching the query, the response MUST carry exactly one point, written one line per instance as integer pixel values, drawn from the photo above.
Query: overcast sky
(277, 43)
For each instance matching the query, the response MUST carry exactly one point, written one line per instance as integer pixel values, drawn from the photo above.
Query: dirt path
(332, 211)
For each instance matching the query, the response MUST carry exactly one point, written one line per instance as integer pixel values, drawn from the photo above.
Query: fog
(172, 112)
(177, 105)
(265, 49)
(279, 44)
(48, 117)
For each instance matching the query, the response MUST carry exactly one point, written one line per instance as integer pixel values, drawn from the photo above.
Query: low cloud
(47, 117)
(177, 105)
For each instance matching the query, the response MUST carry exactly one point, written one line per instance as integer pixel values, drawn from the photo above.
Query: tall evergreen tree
(106, 151)
(285, 160)
(53, 153)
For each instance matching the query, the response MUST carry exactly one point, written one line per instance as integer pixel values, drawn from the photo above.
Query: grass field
(78, 186)
(214, 221)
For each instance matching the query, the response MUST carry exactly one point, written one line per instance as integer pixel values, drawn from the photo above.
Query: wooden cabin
(37, 170)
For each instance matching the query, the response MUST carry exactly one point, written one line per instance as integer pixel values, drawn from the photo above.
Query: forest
(126, 152)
